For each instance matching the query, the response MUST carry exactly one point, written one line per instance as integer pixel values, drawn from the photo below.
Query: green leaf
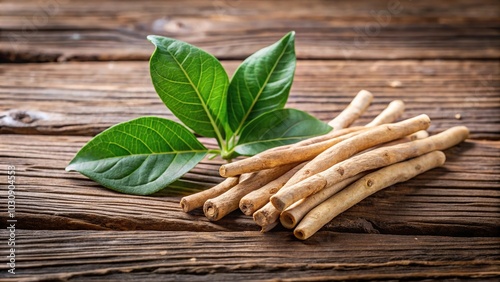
(276, 128)
(141, 156)
(262, 82)
(192, 84)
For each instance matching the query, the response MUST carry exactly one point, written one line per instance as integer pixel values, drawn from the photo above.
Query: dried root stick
(421, 134)
(390, 114)
(292, 215)
(362, 141)
(275, 158)
(244, 176)
(267, 228)
(353, 111)
(227, 202)
(363, 162)
(267, 217)
(332, 134)
(363, 188)
(197, 200)
(281, 155)
(258, 198)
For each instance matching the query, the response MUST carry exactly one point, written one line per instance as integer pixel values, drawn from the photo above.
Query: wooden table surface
(70, 69)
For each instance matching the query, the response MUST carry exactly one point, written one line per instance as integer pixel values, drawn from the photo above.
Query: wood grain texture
(229, 256)
(59, 30)
(460, 199)
(88, 97)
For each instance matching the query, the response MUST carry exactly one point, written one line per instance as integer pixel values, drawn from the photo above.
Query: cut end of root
(300, 234)
(222, 171)
(247, 208)
(260, 219)
(277, 203)
(287, 220)
(184, 205)
(210, 211)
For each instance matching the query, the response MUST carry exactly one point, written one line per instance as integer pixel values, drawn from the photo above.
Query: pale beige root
(330, 135)
(367, 161)
(267, 228)
(244, 176)
(274, 158)
(258, 198)
(421, 134)
(293, 214)
(364, 140)
(366, 186)
(394, 110)
(197, 200)
(353, 111)
(266, 216)
(280, 155)
(220, 206)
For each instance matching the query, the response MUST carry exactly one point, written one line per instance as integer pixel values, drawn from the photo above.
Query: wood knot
(22, 116)
(169, 25)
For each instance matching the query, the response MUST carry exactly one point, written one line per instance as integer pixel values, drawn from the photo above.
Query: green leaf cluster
(246, 115)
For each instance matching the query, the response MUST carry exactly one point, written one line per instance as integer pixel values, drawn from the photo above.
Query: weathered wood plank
(58, 30)
(85, 98)
(462, 198)
(236, 256)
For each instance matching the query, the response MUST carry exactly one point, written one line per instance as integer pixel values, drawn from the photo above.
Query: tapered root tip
(367, 94)
(465, 131)
(426, 118)
(441, 158)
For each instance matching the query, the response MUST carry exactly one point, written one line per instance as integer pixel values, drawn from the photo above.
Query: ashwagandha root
(267, 228)
(244, 176)
(394, 110)
(275, 158)
(389, 115)
(360, 142)
(421, 134)
(281, 155)
(353, 111)
(197, 200)
(293, 214)
(367, 161)
(258, 198)
(363, 188)
(330, 135)
(266, 217)
(220, 206)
